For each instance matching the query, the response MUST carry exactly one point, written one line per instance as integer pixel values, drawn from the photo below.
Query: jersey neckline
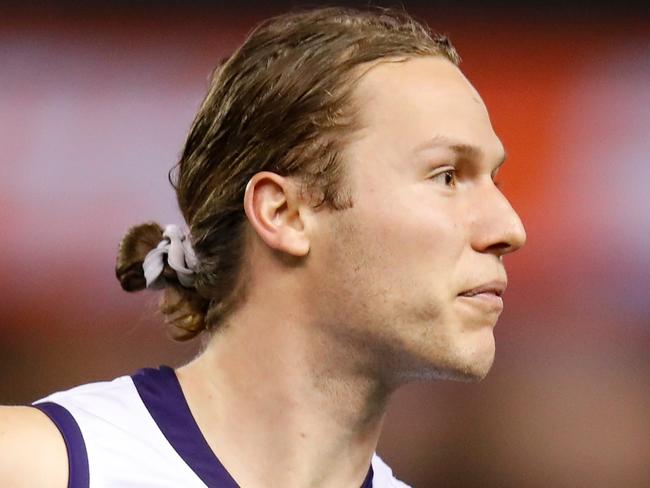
(161, 393)
(163, 397)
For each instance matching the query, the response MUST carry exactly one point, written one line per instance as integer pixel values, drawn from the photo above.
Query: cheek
(414, 238)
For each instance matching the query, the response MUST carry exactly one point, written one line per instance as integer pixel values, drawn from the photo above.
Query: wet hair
(282, 102)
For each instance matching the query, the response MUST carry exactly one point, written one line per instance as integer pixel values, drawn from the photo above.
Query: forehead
(405, 103)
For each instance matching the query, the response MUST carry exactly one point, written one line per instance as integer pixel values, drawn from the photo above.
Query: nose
(497, 228)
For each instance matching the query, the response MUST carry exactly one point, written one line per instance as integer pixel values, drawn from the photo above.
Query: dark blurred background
(95, 102)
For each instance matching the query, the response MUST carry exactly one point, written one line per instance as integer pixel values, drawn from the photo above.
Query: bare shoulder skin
(32, 450)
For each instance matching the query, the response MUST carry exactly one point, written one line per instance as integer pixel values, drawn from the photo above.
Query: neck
(281, 403)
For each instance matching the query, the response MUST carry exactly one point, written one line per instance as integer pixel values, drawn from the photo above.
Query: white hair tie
(180, 257)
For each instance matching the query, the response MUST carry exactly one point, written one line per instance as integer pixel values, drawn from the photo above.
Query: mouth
(495, 287)
(487, 296)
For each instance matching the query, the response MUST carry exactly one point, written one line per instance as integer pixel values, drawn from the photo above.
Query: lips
(495, 287)
(485, 297)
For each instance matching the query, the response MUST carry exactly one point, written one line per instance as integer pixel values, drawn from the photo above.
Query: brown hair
(282, 102)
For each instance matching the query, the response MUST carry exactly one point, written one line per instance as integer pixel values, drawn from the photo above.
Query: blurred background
(95, 102)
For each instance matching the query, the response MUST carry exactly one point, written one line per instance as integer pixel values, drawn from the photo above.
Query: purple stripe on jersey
(161, 393)
(367, 483)
(74, 442)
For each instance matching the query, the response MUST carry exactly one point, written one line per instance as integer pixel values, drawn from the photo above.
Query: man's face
(427, 224)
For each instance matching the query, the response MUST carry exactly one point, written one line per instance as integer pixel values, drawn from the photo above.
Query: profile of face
(428, 224)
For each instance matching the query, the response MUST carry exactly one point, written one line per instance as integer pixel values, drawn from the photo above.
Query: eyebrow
(459, 147)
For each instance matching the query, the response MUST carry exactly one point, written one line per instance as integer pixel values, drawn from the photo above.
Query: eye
(447, 177)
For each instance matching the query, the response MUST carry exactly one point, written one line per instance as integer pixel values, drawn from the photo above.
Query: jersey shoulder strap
(74, 442)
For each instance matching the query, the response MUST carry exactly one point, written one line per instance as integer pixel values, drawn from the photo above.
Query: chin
(466, 364)
(467, 370)
(475, 372)
(476, 367)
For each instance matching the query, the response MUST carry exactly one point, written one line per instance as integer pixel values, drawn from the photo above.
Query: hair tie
(180, 257)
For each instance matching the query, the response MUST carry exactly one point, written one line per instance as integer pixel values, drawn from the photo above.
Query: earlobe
(275, 211)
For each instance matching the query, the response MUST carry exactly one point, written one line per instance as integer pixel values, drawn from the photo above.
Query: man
(345, 237)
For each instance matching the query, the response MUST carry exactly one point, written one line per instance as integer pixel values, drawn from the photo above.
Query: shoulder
(111, 435)
(33, 450)
(383, 476)
(99, 414)
(42, 444)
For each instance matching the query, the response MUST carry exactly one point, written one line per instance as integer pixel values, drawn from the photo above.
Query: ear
(276, 213)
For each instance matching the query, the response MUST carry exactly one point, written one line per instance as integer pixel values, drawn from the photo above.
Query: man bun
(183, 308)
(134, 247)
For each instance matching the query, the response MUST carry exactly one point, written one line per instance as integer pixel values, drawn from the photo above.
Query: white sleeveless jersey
(138, 431)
